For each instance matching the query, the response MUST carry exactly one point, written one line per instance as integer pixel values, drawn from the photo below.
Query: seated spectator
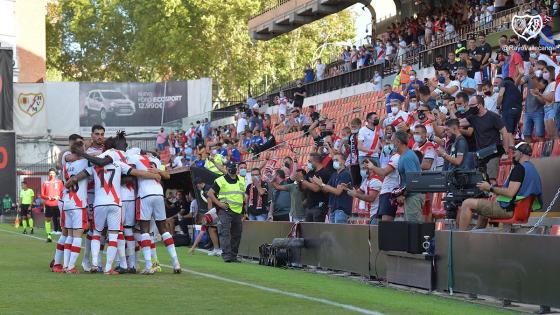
(340, 202)
(301, 122)
(468, 85)
(368, 194)
(280, 202)
(523, 181)
(257, 202)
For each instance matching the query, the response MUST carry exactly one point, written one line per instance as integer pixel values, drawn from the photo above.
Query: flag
(30, 113)
(6, 90)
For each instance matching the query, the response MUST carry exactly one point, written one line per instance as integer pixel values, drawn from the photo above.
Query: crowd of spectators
(472, 100)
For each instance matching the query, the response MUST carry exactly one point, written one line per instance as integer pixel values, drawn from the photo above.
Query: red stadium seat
(556, 148)
(520, 214)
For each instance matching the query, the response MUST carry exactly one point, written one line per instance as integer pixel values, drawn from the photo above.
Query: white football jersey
(92, 151)
(146, 187)
(75, 197)
(108, 179)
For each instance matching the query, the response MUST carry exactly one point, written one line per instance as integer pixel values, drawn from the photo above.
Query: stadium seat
(555, 230)
(556, 148)
(537, 149)
(520, 214)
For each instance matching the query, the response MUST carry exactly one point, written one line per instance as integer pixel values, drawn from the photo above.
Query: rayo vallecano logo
(31, 103)
(527, 26)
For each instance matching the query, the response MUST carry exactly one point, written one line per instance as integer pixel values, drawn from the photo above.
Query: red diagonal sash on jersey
(108, 189)
(146, 162)
(74, 195)
(375, 140)
(121, 156)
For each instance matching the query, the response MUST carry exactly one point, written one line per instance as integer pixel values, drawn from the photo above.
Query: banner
(63, 97)
(8, 164)
(134, 107)
(30, 112)
(6, 90)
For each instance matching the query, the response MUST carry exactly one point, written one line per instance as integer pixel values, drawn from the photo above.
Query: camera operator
(523, 181)
(487, 129)
(316, 201)
(455, 158)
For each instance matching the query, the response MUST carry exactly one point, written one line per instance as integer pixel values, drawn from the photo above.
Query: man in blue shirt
(413, 85)
(468, 85)
(340, 202)
(231, 151)
(256, 139)
(247, 140)
(408, 162)
(390, 95)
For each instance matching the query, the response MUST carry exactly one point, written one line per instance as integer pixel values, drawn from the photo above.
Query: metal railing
(268, 5)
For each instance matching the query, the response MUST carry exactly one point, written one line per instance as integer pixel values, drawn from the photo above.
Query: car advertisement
(133, 107)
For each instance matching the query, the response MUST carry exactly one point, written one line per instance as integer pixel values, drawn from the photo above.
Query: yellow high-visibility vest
(232, 194)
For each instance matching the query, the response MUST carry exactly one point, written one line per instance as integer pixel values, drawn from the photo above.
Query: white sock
(121, 250)
(170, 245)
(87, 250)
(111, 251)
(59, 252)
(95, 248)
(146, 242)
(75, 251)
(67, 251)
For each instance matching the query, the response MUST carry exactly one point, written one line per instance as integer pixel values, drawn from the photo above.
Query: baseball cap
(524, 148)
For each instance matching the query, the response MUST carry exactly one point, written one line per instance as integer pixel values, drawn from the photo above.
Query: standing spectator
(413, 85)
(368, 194)
(428, 32)
(439, 63)
(316, 201)
(451, 64)
(515, 65)
(483, 53)
(396, 115)
(309, 75)
(299, 95)
(369, 138)
(455, 158)
(534, 107)
(390, 95)
(449, 31)
(427, 148)
(354, 58)
(161, 139)
(340, 203)
(280, 202)
(297, 211)
(547, 97)
(446, 85)
(347, 58)
(256, 197)
(490, 98)
(376, 81)
(242, 124)
(320, 69)
(408, 162)
(488, 127)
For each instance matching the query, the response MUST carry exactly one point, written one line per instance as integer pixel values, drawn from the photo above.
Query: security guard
(227, 195)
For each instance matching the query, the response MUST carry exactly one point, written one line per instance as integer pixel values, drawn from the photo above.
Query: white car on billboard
(104, 102)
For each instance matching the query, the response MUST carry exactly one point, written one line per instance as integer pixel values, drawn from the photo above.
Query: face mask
(533, 55)
(441, 79)
(473, 111)
(243, 172)
(460, 110)
(412, 78)
(376, 121)
(411, 106)
(286, 164)
(363, 173)
(394, 110)
(336, 165)
(443, 110)
(421, 116)
(388, 149)
(355, 130)
(546, 75)
(257, 177)
(417, 138)
(488, 93)
(309, 166)
(538, 73)
(496, 89)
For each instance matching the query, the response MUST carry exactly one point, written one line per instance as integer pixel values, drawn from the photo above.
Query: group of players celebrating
(114, 195)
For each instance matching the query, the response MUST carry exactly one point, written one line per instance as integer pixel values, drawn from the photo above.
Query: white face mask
(394, 110)
(496, 89)
(533, 55)
(546, 75)
(412, 78)
(538, 73)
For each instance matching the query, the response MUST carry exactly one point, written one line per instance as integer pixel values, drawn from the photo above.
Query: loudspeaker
(393, 235)
(416, 236)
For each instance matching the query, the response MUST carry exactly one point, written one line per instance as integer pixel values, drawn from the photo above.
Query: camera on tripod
(458, 184)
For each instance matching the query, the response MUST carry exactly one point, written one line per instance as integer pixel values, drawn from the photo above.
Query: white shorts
(151, 207)
(129, 213)
(109, 217)
(75, 219)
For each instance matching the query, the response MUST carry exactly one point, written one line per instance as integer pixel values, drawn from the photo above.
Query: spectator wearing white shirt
(377, 82)
(445, 84)
(449, 31)
(320, 69)
(490, 96)
(369, 138)
(368, 194)
(397, 116)
(242, 124)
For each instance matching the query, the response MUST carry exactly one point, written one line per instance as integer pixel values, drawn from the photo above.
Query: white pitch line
(252, 285)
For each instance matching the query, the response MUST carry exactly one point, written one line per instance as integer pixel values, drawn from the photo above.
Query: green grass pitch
(207, 286)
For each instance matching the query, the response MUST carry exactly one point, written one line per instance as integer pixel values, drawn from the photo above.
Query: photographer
(316, 201)
(487, 129)
(523, 181)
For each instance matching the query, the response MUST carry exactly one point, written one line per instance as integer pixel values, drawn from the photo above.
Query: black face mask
(488, 93)
(421, 115)
(473, 111)
(376, 121)
(453, 138)
(286, 164)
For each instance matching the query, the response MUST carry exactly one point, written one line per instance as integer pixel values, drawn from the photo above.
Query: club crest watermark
(527, 26)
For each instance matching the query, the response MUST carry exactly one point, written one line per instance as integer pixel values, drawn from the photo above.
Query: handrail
(269, 7)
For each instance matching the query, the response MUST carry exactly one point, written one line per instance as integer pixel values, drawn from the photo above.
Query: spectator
(547, 97)
(309, 75)
(340, 203)
(455, 158)
(390, 175)
(452, 65)
(280, 200)
(427, 148)
(384, 154)
(445, 84)
(320, 69)
(534, 107)
(316, 201)
(161, 139)
(301, 122)
(390, 95)
(297, 211)
(426, 97)
(483, 53)
(242, 124)
(257, 202)
(439, 63)
(408, 162)
(354, 153)
(231, 152)
(376, 81)
(369, 138)
(299, 95)
(449, 31)
(487, 129)
(490, 98)
(468, 85)
(396, 115)
(368, 194)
